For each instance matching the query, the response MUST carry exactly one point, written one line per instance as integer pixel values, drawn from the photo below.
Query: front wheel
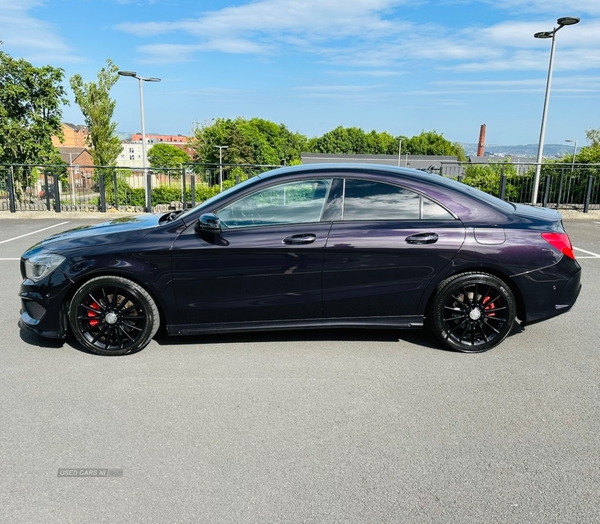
(113, 316)
(472, 312)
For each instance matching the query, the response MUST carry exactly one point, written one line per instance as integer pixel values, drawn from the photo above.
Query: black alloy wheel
(113, 316)
(473, 312)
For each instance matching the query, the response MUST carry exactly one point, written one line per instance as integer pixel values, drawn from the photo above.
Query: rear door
(386, 244)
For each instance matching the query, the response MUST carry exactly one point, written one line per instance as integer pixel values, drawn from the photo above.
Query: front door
(266, 263)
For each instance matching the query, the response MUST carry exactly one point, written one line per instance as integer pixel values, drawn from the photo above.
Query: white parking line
(9, 259)
(593, 255)
(32, 233)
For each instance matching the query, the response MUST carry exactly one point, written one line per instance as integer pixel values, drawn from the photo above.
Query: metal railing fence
(92, 188)
(567, 186)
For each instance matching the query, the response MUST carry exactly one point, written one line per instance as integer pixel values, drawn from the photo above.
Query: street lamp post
(574, 153)
(566, 20)
(220, 148)
(147, 181)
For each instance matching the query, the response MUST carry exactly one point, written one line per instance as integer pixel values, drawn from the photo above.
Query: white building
(131, 154)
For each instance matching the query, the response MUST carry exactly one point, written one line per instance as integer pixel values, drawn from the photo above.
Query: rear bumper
(550, 292)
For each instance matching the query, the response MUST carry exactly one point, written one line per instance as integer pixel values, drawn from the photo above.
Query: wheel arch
(106, 272)
(431, 290)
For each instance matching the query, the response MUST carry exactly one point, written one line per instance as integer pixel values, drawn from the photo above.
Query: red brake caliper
(93, 315)
(489, 306)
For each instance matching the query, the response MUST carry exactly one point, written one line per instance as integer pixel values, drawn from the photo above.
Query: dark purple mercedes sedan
(318, 246)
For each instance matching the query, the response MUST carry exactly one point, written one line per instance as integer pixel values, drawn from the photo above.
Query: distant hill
(520, 151)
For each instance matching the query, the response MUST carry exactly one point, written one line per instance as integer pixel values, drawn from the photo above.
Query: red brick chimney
(481, 144)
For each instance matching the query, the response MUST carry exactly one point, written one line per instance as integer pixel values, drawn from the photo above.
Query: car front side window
(291, 203)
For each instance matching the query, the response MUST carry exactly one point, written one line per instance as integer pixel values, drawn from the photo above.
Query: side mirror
(209, 222)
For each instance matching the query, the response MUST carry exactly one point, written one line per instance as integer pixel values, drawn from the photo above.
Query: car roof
(349, 167)
(405, 174)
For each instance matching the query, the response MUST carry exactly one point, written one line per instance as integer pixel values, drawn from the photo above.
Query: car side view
(319, 246)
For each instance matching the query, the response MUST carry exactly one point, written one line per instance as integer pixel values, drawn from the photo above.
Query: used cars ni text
(319, 246)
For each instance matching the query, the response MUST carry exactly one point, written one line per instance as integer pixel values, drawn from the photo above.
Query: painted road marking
(593, 255)
(32, 233)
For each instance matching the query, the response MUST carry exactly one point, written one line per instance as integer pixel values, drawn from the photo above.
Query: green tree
(354, 141)
(432, 143)
(593, 137)
(254, 141)
(97, 108)
(342, 141)
(30, 113)
(166, 156)
(589, 154)
(486, 177)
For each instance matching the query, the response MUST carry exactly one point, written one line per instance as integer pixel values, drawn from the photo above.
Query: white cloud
(368, 34)
(24, 35)
(348, 93)
(302, 23)
(553, 7)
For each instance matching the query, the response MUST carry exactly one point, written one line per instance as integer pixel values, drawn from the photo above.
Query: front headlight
(39, 266)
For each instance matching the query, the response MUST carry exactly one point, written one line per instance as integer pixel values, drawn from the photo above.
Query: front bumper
(44, 308)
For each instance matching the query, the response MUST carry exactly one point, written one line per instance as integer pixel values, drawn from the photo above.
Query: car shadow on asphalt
(36, 340)
(417, 337)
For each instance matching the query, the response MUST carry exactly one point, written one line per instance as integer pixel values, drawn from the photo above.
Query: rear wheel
(473, 312)
(113, 316)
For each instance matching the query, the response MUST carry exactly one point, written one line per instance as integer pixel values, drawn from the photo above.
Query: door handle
(422, 238)
(300, 239)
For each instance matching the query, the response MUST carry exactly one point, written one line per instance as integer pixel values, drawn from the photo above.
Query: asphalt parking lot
(326, 426)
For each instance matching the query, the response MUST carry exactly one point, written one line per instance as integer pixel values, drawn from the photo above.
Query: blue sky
(400, 66)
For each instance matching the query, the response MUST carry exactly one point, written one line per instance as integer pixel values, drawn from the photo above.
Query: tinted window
(433, 211)
(368, 200)
(294, 202)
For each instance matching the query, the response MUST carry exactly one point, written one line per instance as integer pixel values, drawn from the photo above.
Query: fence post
(11, 191)
(193, 188)
(116, 188)
(184, 196)
(46, 190)
(56, 193)
(560, 187)
(102, 188)
(546, 190)
(588, 193)
(502, 184)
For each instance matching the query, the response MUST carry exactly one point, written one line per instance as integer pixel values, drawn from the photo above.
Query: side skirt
(405, 322)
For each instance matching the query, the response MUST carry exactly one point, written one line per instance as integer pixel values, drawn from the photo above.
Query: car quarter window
(289, 203)
(371, 200)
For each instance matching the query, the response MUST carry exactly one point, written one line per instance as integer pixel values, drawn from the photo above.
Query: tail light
(560, 241)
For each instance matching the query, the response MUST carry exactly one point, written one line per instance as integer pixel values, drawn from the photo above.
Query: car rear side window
(370, 200)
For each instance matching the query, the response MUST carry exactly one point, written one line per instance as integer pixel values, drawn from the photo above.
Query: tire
(113, 316)
(472, 312)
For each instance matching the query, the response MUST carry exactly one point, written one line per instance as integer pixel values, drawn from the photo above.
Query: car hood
(110, 232)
